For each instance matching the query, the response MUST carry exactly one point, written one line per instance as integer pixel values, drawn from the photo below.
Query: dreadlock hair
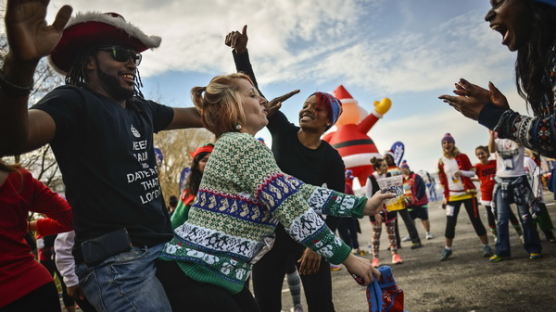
(533, 83)
(77, 75)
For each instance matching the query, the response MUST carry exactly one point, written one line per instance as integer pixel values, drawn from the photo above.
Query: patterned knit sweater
(538, 133)
(242, 197)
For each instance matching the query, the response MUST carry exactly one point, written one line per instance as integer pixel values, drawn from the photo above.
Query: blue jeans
(531, 239)
(125, 282)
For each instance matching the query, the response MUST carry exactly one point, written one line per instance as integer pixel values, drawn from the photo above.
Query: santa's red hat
(87, 30)
(343, 95)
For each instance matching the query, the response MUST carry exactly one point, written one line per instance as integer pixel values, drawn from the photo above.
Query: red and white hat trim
(92, 28)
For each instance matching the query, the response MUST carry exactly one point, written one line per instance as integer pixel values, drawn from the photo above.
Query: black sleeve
(336, 172)
(279, 123)
(374, 184)
(66, 106)
(243, 65)
(162, 115)
(421, 188)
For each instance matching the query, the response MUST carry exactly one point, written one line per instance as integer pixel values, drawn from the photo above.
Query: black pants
(44, 298)
(186, 294)
(410, 225)
(544, 221)
(472, 211)
(269, 272)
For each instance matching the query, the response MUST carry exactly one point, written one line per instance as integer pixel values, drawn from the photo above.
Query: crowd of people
(248, 214)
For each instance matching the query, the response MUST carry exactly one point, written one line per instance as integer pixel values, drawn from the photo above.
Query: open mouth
(129, 78)
(503, 31)
(306, 117)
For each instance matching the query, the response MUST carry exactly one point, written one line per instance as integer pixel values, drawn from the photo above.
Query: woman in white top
(512, 186)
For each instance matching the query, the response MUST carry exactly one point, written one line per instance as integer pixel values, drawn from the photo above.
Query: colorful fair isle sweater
(538, 133)
(242, 197)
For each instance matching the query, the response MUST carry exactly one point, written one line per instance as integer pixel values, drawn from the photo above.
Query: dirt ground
(466, 282)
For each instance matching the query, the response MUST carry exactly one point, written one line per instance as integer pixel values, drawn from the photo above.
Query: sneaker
(335, 268)
(397, 259)
(446, 253)
(535, 256)
(487, 251)
(495, 259)
(375, 262)
(297, 308)
(406, 239)
(429, 236)
(416, 245)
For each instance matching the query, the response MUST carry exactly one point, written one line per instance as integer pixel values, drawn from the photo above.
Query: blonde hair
(455, 152)
(220, 103)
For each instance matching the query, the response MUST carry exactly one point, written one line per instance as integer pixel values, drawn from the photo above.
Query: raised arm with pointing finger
(300, 152)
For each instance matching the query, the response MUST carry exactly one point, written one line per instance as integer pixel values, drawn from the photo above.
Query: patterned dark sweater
(242, 197)
(538, 133)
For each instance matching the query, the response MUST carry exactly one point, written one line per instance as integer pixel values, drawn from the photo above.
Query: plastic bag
(384, 295)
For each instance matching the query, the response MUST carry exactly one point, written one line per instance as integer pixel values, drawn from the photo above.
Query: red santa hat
(90, 29)
(343, 95)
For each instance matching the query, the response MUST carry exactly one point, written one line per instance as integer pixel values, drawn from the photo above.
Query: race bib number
(450, 210)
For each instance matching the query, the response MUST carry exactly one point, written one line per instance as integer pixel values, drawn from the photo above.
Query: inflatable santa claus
(350, 138)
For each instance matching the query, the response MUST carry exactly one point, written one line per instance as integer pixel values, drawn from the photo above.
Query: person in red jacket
(455, 172)
(26, 285)
(416, 199)
(486, 171)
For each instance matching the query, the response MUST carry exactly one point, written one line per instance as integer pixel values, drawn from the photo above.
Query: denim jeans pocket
(134, 254)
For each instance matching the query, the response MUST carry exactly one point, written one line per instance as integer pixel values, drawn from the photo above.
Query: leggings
(452, 211)
(186, 294)
(268, 277)
(390, 229)
(44, 298)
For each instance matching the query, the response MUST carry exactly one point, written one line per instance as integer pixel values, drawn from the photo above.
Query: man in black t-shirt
(101, 131)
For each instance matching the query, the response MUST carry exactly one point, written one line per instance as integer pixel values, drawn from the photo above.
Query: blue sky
(408, 50)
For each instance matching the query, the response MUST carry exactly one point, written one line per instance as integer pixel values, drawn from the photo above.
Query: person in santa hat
(416, 199)
(101, 131)
(199, 159)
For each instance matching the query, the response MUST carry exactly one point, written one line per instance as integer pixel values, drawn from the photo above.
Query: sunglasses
(123, 55)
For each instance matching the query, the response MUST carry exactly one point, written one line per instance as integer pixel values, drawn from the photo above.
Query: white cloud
(193, 31)
(422, 133)
(314, 40)
(406, 62)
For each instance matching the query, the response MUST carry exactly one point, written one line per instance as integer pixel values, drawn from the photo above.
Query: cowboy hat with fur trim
(87, 30)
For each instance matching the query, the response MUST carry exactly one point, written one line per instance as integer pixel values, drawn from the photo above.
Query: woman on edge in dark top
(528, 27)
(300, 152)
